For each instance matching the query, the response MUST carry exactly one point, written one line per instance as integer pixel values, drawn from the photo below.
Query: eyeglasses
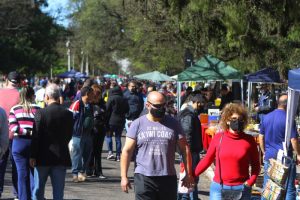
(157, 105)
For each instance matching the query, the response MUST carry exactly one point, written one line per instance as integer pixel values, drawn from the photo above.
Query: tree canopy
(28, 37)
(155, 34)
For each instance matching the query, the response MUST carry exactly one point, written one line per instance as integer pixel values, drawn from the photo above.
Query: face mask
(237, 125)
(158, 112)
(133, 90)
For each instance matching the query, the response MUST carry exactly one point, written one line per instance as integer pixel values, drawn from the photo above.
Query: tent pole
(248, 96)
(178, 95)
(293, 99)
(242, 92)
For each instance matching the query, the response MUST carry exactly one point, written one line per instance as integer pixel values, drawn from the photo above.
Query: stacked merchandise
(275, 187)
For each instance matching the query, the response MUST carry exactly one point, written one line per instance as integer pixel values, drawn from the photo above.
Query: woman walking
(234, 152)
(21, 118)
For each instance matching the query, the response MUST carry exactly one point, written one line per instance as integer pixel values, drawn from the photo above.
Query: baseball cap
(14, 77)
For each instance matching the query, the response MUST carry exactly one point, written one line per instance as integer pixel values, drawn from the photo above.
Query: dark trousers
(155, 187)
(14, 176)
(95, 165)
(21, 154)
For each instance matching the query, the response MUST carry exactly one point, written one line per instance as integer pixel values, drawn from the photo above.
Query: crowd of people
(54, 125)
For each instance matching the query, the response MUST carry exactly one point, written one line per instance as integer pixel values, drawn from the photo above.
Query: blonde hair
(229, 110)
(26, 98)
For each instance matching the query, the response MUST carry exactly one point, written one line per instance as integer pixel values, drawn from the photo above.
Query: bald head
(155, 97)
(282, 101)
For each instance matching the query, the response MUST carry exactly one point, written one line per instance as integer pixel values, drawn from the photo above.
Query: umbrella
(154, 76)
(68, 74)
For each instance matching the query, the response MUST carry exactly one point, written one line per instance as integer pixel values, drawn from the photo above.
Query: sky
(58, 9)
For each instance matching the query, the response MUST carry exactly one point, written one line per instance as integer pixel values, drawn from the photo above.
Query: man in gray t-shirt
(155, 136)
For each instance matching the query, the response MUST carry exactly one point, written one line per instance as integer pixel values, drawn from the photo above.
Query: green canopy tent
(154, 76)
(209, 68)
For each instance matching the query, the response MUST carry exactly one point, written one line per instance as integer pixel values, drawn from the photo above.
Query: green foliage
(28, 37)
(154, 34)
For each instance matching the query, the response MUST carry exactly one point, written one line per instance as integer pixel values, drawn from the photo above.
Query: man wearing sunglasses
(155, 137)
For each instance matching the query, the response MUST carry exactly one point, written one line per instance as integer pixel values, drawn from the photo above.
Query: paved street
(95, 189)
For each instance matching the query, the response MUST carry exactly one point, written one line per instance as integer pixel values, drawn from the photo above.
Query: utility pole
(82, 62)
(68, 44)
(87, 65)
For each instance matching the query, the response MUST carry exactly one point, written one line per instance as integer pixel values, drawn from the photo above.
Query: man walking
(155, 137)
(135, 103)
(272, 134)
(192, 128)
(49, 154)
(9, 97)
(82, 140)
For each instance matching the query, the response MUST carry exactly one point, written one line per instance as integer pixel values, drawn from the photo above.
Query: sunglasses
(157, 105)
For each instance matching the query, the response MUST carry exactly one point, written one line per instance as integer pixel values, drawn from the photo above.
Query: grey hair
(52, 91)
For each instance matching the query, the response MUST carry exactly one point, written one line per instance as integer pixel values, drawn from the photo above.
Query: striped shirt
(20, 121)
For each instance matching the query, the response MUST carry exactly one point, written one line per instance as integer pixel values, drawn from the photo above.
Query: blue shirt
(273, 129)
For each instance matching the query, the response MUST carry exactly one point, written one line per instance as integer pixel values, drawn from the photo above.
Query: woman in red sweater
(233, 152)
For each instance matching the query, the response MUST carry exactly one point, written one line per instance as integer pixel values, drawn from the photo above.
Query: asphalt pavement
(95, 189)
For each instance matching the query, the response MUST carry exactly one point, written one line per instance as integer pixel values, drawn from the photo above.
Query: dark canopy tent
(293, 101)
(266, 75)
(68, 74)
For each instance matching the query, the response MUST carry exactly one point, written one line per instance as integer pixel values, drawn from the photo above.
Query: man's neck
(153, 119)
(51, 101)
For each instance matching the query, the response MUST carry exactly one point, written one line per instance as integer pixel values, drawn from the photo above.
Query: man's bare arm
(187, 160)
(125, 161)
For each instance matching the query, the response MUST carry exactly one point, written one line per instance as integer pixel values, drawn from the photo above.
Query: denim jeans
(21, 153)
(86, 145)
(118, 133)
(193, 195)
(291, 189)
(76, 156)
(215, 191)
(57, 175)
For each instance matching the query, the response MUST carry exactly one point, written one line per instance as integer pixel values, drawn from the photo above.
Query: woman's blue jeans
(215, 191)
(21, 154)
(118, 133)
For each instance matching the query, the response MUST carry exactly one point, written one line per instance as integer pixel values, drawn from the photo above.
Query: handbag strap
(218, 156)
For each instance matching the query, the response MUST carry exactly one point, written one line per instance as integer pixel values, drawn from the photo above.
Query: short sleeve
(133, 129)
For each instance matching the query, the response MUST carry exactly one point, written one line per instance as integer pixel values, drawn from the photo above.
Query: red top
(237, 153)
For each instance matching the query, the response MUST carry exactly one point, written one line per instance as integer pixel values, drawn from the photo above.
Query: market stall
(267, 75)
(208, 68)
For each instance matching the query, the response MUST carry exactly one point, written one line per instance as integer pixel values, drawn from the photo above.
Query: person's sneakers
(16, 198)
(110, 157)
(102, 177)
(75, 179)
(81, 177)
(118, 158)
